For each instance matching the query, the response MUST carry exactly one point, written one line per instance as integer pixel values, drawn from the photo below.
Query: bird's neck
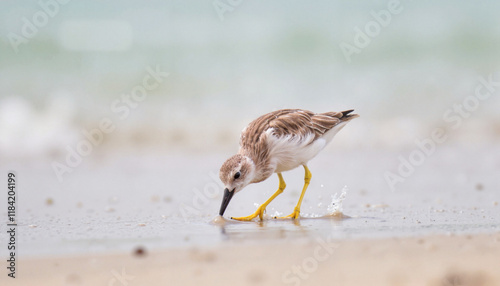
(261, 167)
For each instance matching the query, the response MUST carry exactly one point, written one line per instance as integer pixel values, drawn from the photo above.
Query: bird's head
(236, 173)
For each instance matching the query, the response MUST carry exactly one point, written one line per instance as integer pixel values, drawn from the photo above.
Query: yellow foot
(259, 213)
(294, 215)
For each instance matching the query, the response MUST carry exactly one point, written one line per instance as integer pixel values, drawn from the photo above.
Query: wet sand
(432, 260)
(147, 218)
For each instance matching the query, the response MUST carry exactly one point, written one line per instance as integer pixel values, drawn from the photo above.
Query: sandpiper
(277, 142)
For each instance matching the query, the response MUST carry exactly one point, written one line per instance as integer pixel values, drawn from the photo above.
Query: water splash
(335, 208)
(277, 214)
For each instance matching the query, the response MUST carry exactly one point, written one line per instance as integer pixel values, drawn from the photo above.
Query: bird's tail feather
(346, 115)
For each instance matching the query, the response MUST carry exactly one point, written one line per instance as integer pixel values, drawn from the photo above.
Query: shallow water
(155, 201)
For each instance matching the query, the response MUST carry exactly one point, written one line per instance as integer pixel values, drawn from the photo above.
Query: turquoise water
(224, 73)
(286, 52)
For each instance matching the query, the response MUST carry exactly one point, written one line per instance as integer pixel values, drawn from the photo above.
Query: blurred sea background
(224, 72)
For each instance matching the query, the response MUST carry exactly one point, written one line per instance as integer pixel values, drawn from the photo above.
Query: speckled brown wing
(302, 123)
(323, 122)
(295, 122)
(292, 122)
(282, 120)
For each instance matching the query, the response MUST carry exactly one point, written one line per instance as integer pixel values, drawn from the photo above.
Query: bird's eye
(237, 175)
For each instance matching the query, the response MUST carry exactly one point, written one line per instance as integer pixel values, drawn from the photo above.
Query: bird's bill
(228, 195)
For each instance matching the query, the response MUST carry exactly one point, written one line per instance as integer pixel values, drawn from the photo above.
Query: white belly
(289, 152)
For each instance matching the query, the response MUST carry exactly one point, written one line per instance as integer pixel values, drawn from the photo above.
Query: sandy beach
(431, 260)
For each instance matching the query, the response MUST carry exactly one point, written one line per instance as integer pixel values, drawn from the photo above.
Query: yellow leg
(260, 211)
(307, 180)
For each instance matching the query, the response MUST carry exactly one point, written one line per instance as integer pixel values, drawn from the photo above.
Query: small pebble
(139, 251)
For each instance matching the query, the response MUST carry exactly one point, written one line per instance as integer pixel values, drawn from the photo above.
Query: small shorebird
(277, 142)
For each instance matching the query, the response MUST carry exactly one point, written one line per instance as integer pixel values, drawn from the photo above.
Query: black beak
(228, 195)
